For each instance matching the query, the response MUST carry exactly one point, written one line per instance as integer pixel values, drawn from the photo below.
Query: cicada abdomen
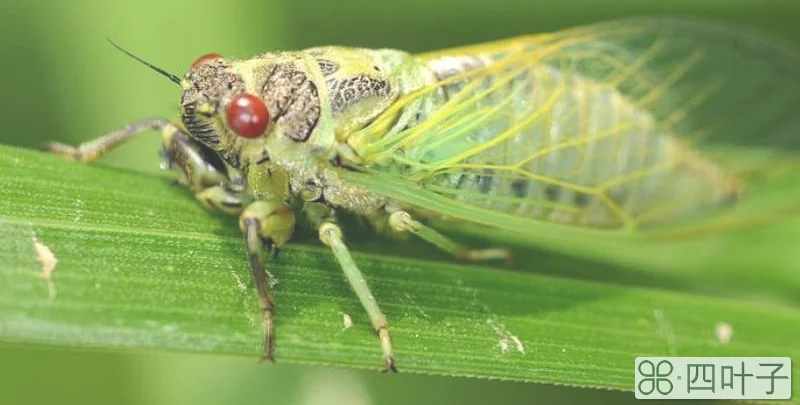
(543, 141)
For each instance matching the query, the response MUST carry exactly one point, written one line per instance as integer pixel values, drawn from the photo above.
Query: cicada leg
(209, 180)
(93, 149)
(267, 224)
(263, 223)
(402, 221)
(270, 224)
(331, 235)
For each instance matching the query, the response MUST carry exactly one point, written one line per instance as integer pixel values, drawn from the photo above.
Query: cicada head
(216, 108)
(289, 107)
(216, 104)
(295, 107)
(266, 106)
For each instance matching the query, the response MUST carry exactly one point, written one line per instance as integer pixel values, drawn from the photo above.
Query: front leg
(267, 224)
(270, 224)
(331, 235)
(263, 223)
(89, 151)
(200, 167)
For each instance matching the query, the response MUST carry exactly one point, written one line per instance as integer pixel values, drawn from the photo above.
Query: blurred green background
(61, 80)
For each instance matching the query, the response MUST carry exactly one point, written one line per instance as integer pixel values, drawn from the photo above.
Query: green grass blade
(141, 266)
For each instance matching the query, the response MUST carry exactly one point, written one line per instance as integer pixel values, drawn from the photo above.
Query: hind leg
(402, 221)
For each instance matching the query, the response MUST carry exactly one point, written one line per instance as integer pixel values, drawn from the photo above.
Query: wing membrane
(722, 91)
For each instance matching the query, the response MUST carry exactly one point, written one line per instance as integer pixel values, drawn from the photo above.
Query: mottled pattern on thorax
(293, 100)
(359, 82)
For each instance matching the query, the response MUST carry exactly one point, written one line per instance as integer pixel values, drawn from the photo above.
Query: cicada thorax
(539, 141)
(358, 86)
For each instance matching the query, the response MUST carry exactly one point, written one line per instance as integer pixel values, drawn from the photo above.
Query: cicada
(632, 131)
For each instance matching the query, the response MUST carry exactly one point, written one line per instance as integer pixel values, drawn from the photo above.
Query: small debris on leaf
(48, 262)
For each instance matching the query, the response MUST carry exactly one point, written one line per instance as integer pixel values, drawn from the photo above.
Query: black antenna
(173, 78)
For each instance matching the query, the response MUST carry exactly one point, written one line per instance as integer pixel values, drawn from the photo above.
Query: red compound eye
(247, 115)
(205, 58)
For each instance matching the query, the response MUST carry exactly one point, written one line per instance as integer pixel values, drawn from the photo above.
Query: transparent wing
(708, 80)
(613, 125)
